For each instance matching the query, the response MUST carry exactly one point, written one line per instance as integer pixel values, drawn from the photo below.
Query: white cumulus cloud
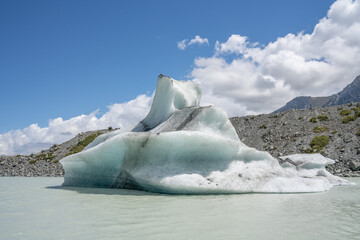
(197, 40)
(34, 138)
(235, 44)
(261, 79)
(182, 44)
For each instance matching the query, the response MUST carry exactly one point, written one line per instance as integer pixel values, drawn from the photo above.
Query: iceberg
(183, 148)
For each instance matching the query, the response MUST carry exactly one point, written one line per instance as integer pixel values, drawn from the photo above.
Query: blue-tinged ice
(181, 147)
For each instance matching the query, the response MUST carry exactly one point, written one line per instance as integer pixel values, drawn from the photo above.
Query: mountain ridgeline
(351, 93)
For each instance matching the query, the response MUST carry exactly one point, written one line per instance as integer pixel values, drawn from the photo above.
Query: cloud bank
(244, 78)
(182, 45)
(34, 138)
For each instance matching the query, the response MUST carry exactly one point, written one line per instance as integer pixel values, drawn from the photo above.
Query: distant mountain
(351, 93)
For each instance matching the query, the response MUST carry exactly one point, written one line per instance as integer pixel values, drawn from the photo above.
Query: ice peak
(171, 95)
(161, 76)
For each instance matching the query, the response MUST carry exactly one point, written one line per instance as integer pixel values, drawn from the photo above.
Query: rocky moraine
(332, 131)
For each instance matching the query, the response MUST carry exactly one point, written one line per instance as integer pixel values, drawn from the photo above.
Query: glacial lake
(39, 208)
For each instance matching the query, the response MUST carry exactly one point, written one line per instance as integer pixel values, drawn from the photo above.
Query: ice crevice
(183, 148)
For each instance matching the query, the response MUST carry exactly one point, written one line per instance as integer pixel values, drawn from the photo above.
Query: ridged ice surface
(183, 148)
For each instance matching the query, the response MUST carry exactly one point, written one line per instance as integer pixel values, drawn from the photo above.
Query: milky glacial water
(38, 208)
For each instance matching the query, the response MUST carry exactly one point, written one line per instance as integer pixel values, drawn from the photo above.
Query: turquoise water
(38, 208)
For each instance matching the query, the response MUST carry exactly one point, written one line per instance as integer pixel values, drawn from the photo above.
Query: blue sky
(72, 66)
(65, 58)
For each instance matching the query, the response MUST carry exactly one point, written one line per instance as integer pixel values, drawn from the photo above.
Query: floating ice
(183, 148)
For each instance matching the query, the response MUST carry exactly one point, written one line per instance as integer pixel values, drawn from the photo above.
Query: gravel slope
(46, 163)
(291, 132)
